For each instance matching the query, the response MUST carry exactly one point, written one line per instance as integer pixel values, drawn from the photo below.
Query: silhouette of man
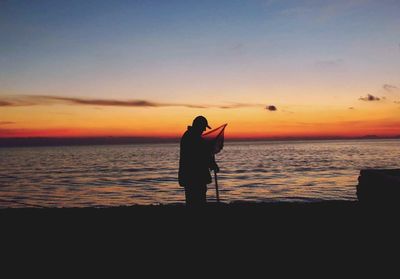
(196, 161)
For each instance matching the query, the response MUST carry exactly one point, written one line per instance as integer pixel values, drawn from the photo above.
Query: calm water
(147, 174)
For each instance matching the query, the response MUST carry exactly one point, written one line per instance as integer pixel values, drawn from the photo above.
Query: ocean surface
(115, 175)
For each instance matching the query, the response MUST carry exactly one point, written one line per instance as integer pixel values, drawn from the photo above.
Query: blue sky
(61, 46)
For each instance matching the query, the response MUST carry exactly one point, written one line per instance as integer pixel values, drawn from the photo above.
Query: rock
(379, 186)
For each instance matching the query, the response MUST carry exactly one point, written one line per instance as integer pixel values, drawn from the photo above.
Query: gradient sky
(147, 68)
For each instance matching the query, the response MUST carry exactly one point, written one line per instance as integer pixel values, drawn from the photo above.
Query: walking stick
(216, 186)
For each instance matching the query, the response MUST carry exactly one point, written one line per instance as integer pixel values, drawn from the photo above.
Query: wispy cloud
(323, 9)
(31, 132)
(319, 124)
(30, 100)
(6, 122)
(352, 108)
(6, 104)
(15, 102)
(321, 12)
(105, 102)
(329, 63)
(99, 102)
(335, 8)
(238, 105)
(370, 97)
(3, 103)
(237, 49)
(390, 88)
(297, 11)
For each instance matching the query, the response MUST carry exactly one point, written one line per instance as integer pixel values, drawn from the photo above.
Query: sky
(147, 68)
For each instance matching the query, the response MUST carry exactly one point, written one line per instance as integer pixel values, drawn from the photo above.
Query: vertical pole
(216, 185)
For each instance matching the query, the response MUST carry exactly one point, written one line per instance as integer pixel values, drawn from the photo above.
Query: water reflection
(147, 174)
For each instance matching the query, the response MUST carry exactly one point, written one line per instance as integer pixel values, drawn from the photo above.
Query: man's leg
(196, 195)
(189, 195)
(203, 194)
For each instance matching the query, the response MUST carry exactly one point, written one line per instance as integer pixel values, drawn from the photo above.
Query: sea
(251, 171)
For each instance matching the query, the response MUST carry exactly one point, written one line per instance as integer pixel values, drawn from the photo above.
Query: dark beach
(258, 214)
(329, 233)
(177, 218)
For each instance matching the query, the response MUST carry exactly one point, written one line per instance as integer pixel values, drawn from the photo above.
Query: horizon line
(119, 140)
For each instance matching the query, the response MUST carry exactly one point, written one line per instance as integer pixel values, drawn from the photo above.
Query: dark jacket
(195, 160)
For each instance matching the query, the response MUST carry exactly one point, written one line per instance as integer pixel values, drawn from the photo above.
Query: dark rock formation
(379, 186)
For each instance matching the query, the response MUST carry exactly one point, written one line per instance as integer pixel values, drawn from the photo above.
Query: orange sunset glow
(169, 122)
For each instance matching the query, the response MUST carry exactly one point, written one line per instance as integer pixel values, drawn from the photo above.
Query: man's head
(200, 123)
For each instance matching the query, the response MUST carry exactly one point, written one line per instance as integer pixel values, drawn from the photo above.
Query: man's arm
(213, 164)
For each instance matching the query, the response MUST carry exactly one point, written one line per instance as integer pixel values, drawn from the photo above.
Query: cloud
(30, 100)
(6, 122)
(29, 132)
(330, 63)
(352, 108)
(98, 102)
(238, 105)
(271, 108)
(322, 12)
(397, 102)
(17, 102)
(370, 97)
(5, 104)
(133, 103)
(237, 49)
(296, 12)
(333, 9)
(389, 87)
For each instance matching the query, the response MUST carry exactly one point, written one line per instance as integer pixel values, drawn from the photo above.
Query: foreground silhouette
(377, 186)
(196, 161)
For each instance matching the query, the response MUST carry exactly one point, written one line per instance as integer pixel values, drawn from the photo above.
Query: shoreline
(280, 221)
(272, 209)
(209, 205)
(343, 208)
